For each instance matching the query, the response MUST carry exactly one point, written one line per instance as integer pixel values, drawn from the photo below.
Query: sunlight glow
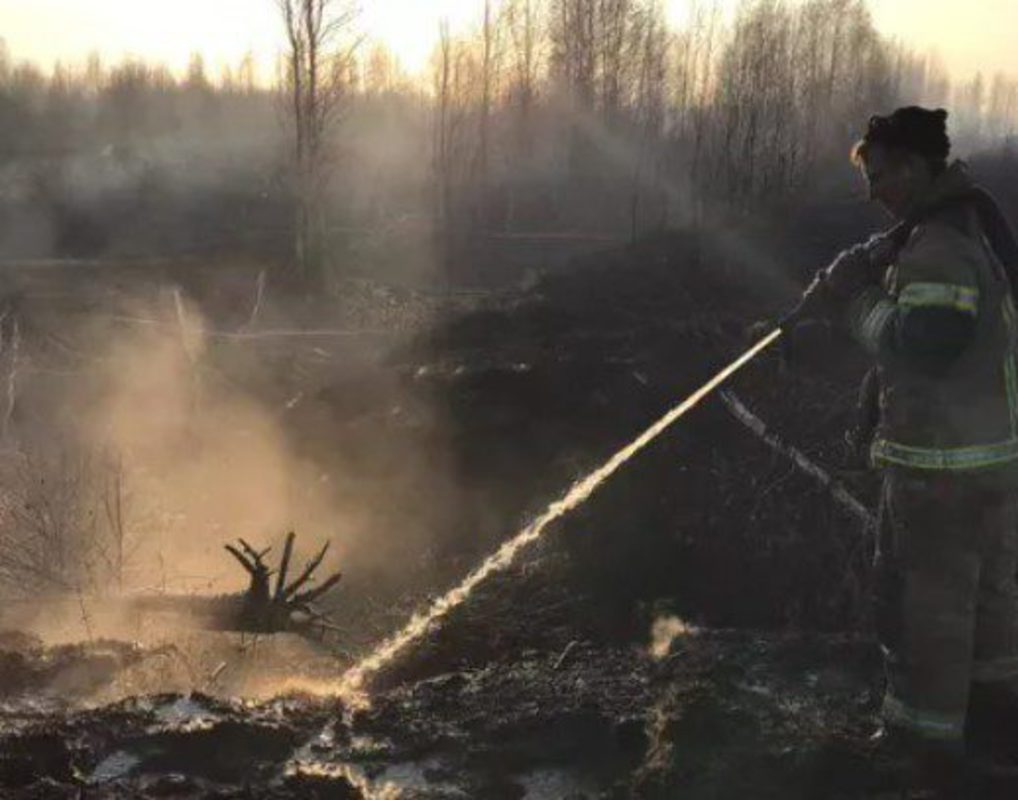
(223, 31)
(68, 30)
(45, 31)
(410, 29)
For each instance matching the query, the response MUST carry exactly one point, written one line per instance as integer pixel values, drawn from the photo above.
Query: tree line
(548, 115)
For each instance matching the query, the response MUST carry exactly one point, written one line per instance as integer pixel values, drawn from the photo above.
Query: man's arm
(933, 319)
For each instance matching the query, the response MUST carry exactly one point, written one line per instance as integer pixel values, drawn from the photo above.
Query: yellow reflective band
(928, 724)
(942, 295)
(956, 458)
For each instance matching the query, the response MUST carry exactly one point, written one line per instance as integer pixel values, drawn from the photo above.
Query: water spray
(352, 681)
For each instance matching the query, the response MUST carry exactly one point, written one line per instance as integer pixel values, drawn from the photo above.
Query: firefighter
(932, 304)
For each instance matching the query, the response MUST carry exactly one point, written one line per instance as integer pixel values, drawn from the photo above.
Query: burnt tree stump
(290, 606)
(286, 607)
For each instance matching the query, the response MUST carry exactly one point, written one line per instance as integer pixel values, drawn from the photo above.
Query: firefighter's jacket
(942, 325)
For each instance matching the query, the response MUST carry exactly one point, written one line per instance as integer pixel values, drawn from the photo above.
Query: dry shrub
(61, 522)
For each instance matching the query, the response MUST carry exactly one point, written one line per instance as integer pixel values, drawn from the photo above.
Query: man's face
(890, 179)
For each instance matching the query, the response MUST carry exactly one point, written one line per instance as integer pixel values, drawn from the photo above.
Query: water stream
(352, 681)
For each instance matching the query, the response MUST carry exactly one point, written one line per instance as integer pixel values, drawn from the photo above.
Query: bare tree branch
(308, 572)
(284, 565)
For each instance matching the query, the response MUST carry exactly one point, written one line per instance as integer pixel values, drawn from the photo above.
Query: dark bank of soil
(541, 390)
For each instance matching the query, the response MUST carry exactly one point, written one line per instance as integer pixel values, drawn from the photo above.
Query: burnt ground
(542, 390)
(723, 714)
(541, 686)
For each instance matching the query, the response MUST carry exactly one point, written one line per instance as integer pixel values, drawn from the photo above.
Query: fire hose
(806, 465)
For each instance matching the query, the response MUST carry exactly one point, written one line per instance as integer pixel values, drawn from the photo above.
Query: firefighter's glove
(852, 271)
(849, 273)
(859, 267)
(882, 251)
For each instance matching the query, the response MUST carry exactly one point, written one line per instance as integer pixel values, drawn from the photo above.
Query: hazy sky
(969, 34)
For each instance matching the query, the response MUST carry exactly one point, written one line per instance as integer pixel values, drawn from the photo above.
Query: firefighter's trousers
(946, 596)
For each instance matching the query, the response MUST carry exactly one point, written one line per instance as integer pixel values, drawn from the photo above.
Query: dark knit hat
(921, 130)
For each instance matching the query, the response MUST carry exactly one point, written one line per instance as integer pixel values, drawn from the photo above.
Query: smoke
(753, 260)
(191, 459)
(663, 632)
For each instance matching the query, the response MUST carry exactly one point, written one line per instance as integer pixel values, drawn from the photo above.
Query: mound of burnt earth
(587, 722)
(708, 522)
(717, 714)
(160, 746)
(31, 672)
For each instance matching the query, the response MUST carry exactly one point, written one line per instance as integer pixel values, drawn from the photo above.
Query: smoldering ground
(144, 438)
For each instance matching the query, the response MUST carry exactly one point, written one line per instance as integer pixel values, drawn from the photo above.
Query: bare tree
(1001, 106)
(442, 165)
(969, 102)
(522, 20)
(317, 82)
(574, 48)
(650, 45)
(381, 73)
(489, 69)
(612, 33)
(458, 87)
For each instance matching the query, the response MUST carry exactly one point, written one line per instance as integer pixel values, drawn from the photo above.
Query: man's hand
(858, 267)
(882, 249)
(852, 271)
